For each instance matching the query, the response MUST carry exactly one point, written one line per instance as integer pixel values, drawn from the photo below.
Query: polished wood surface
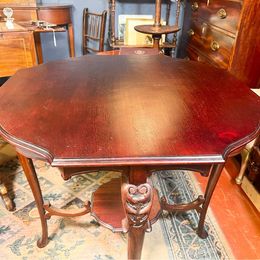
(133, 115)
(225, 34)
(202, 37)
(150, 29)
(127, 110)
(246, 56)
(221, 13)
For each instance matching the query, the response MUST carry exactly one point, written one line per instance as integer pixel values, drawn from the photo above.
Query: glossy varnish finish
(123, 109)
(131, 114)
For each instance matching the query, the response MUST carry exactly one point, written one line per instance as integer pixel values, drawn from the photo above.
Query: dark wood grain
(210, 12)
(203, 38)
(245, 61)
(115, 110)
(235, 25)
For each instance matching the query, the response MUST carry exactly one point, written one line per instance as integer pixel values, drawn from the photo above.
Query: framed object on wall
(122, 23)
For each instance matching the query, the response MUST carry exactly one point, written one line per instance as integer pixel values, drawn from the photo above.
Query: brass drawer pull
(204, 29)
(190, 32)
(214, 46)
(222, 13)
(195, 6)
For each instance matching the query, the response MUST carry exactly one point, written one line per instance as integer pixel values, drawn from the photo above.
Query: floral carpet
(173, 236)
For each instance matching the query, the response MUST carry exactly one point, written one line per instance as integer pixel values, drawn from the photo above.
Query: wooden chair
(93, 31)
(6, 153)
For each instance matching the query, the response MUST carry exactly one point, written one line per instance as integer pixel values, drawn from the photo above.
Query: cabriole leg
(31, 176)
(213, 179)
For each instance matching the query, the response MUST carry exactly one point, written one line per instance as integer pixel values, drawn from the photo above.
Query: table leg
(71, 40)
(202, 202)
(5, 197)
(31, 176)
(135, 243)
(212, 182)
(137, 203)
(156, 41)
(38, 46)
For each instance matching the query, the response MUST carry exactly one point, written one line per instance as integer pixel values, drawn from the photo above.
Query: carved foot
(53, 211)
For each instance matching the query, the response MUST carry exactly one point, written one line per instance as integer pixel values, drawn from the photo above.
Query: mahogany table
(131, 114)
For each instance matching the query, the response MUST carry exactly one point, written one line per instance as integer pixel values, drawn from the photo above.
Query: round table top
(127, 110)
(157, 30)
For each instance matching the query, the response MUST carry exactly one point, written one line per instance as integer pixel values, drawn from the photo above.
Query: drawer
(193, 54)
(59, 16)
(224, 14)
(214, 44)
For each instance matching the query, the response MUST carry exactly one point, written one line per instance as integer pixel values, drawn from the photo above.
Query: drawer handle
(190, 32)
(222, 13)
(204, 28)
(195, 6)
(214, 46)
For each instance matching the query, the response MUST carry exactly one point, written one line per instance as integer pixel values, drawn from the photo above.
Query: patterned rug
(173, 236)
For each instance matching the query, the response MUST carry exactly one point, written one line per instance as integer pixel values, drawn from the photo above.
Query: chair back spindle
(93, 31)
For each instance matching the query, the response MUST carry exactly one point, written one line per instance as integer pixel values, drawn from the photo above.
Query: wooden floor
(236, 215)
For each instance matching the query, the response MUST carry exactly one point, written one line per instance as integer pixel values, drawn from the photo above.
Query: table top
(157, 30)
(127, 110)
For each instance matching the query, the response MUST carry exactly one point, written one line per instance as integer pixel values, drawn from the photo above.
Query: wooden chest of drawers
(225, 34)
(17, 49)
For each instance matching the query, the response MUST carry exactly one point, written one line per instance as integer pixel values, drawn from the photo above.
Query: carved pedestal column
(137, 203)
